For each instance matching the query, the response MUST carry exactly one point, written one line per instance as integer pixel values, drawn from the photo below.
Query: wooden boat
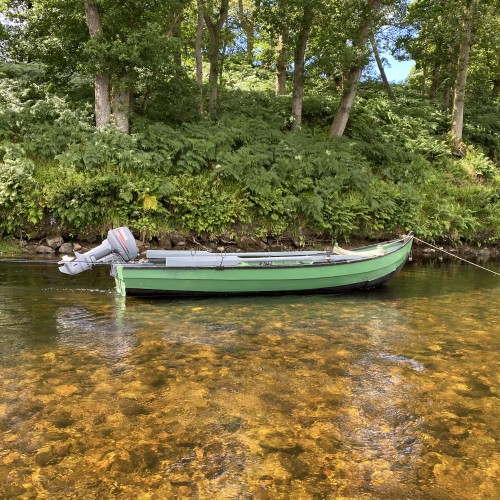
(186, 273)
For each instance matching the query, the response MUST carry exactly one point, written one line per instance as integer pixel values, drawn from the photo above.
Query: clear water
(390, 394)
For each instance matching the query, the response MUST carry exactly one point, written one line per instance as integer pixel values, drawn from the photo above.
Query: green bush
(244, 171)
(19, 205)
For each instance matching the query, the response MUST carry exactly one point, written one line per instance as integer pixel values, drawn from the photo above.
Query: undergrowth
(245, 173)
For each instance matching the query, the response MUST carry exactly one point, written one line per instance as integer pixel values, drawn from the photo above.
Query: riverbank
(57, 245)
(247, 173)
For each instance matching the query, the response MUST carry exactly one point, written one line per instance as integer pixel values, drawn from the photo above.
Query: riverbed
(390, 393)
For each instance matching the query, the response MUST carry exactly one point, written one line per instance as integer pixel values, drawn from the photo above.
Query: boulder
(66, 248)
(54, 241)
(44, 249)
(164, 241)
(177, 239)
(250, 244)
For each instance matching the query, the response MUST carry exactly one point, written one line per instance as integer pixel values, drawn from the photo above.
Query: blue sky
(399, 69)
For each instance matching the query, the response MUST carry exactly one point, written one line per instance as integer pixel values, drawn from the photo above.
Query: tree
(275, 19)
(484, 70)
(214, 22)
(198, 46)
(381, 69)
(101, 80)
(133, 44)
(352, 79)
(298, 63)
(245, 14)
(281, 62)
(461, 79)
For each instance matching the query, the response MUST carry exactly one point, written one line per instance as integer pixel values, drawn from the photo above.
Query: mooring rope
(456, 256)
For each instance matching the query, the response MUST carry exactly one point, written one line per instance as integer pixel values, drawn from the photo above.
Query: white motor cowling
(120, 244)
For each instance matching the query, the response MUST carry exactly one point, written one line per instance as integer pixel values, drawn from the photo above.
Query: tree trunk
(298, 71)
(434, 81)
(281, 66)
(222, 60)
(381, 69)
(352, 81)
(101, 81)
(214, 30)
(447, 96)
(121, 108)
(461, 80)
(450, 71)
(177, 53)
(213, 75)
(198, 55)
(346, 103)
(248, 27)
(496, 88)
(102, 105)
(198, 44)
(93, 19)
(423, 87)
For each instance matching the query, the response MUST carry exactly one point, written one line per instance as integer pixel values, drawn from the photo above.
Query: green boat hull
(156, 279)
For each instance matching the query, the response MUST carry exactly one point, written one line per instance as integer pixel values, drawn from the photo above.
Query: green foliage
(9, 246)
(477, 164)
(483, 127)
(204, 206)
(19, 206)
(244, 172)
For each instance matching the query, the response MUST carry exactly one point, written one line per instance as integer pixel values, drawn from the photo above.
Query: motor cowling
(120, 244)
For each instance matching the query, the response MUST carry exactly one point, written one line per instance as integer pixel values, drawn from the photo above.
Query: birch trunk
(102, 104)
(298, 72)
(461, 80)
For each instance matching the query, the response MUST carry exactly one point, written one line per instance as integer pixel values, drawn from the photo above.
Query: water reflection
(102, 332)
(387, 394)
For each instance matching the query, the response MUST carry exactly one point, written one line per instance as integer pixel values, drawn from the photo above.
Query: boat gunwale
(405, 241)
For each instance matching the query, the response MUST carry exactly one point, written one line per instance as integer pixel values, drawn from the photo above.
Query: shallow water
(390, 394)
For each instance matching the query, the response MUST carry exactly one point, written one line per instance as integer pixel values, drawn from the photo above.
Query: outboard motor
(119, 243)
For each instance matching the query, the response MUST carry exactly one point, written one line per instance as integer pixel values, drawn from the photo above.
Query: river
(390, 393)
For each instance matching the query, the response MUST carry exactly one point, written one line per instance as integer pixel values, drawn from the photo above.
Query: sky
(399, 69)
